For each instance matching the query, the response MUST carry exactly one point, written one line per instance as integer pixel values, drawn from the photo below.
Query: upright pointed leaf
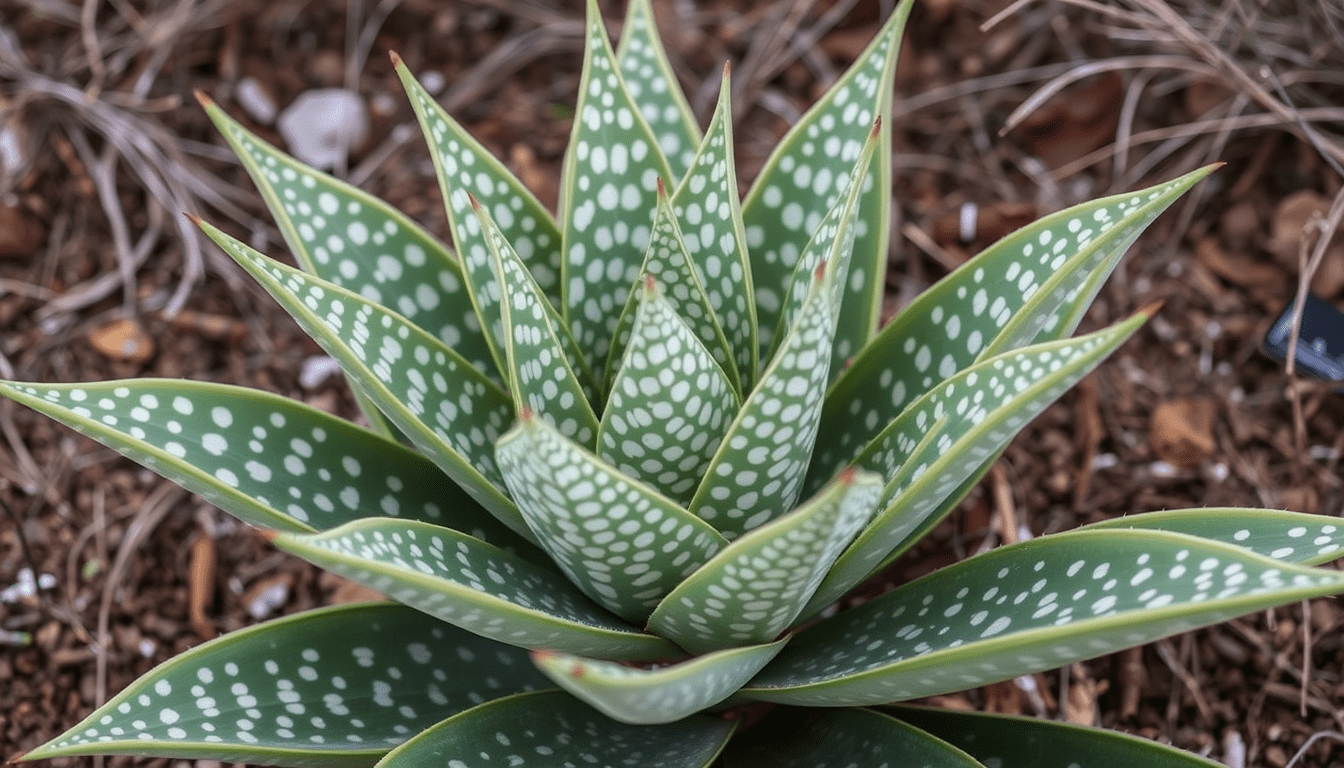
(608, 194)
(332, 687)
(1292, 537)
(661, 695)
(1006, 740)
(624, 544)
(757, 474)
(545, 371)
(552, 728)
(270, 461)
(465, 167)
(755, 588)
(1026, 608)
(653, 86)
(786, 202)
(352, 239)
(473, 585)
(950, 432)
(842, 738)
(709, 213)
(994, 302)
(669, 263)
(670, 404)
(449, 409)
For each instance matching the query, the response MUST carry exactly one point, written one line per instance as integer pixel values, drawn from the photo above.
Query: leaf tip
(525, 415)
(727, 69)
(475, 204)
(847, 476)
(819, 273)
(268, 535)
(1151, 309)
(662, 189)
(397, 63)
(203, 98)
(877, 129)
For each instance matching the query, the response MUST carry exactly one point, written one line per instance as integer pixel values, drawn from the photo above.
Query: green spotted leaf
(332, 687)
(623, 543)
(669, 264)
(1292, 537)
(796, 188)
(1026, 608)
(663, 430)
(755, 588)
(268, 460)
(997, 301)
(607, 191)
(843, 738)
(544, 367)
(757, 473)
(446, 407)
(951, 432)
(1005, 740)
(653, 86)
(468, 583)
(551, 728)
(709, 215)
(352, 239)
(661, 695)
(464, 167)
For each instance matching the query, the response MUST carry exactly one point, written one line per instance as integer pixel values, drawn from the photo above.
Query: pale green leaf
(1025, 608)
(995, 302)
(545, 369)
(653, 86)
(1020, 741)
(473, 585)
(270, 461)
(332, 687)
(658, 428)
(551, 729)
(661, 695)
(755, 588)
(608, 192)
(620, 541)
(796, 187)
(446, 407)
(1292, 537)
(757, 474)
(709, 213)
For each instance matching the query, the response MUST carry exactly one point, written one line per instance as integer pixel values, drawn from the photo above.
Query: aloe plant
(626, 461)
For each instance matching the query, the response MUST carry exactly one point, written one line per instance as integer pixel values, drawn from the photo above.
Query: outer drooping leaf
(662, 695)
(1004, 740)
(757, 474)
(669, 404)
(473, 585)
(1292, 537)
(265, 459)
(1026, 608)
(796, 187)
(948, 434)
(352, 239)
(994, 302)
(449, 410)
(544, 366)
(754, 589)
(332, 687)
(653, 86)
(552, 728)
(709, 213)
(465, 167)
(669, 264)
(844, 738)
(832, 243)
(623, 543)
(608, 190)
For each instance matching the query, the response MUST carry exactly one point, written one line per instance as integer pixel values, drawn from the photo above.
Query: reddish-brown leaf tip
(820, 272)
(475, 204)
(396, 59)
(847, 475)
(662, 189)
(203, 98)
(267, 535)
(1151, 309)
(877, 128)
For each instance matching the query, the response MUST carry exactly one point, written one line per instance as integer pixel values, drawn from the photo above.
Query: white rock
(256, 101)
(322, 126)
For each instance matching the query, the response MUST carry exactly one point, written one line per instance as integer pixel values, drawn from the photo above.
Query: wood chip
(1181, 431)
(123, 339)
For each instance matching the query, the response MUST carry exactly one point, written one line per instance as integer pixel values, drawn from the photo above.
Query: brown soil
(1187, 414)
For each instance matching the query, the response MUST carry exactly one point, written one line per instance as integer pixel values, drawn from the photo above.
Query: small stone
(256, 100)
(123, 339)
(322, 127)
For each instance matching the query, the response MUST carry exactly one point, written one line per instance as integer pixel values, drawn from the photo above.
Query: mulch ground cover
(1000, 118)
